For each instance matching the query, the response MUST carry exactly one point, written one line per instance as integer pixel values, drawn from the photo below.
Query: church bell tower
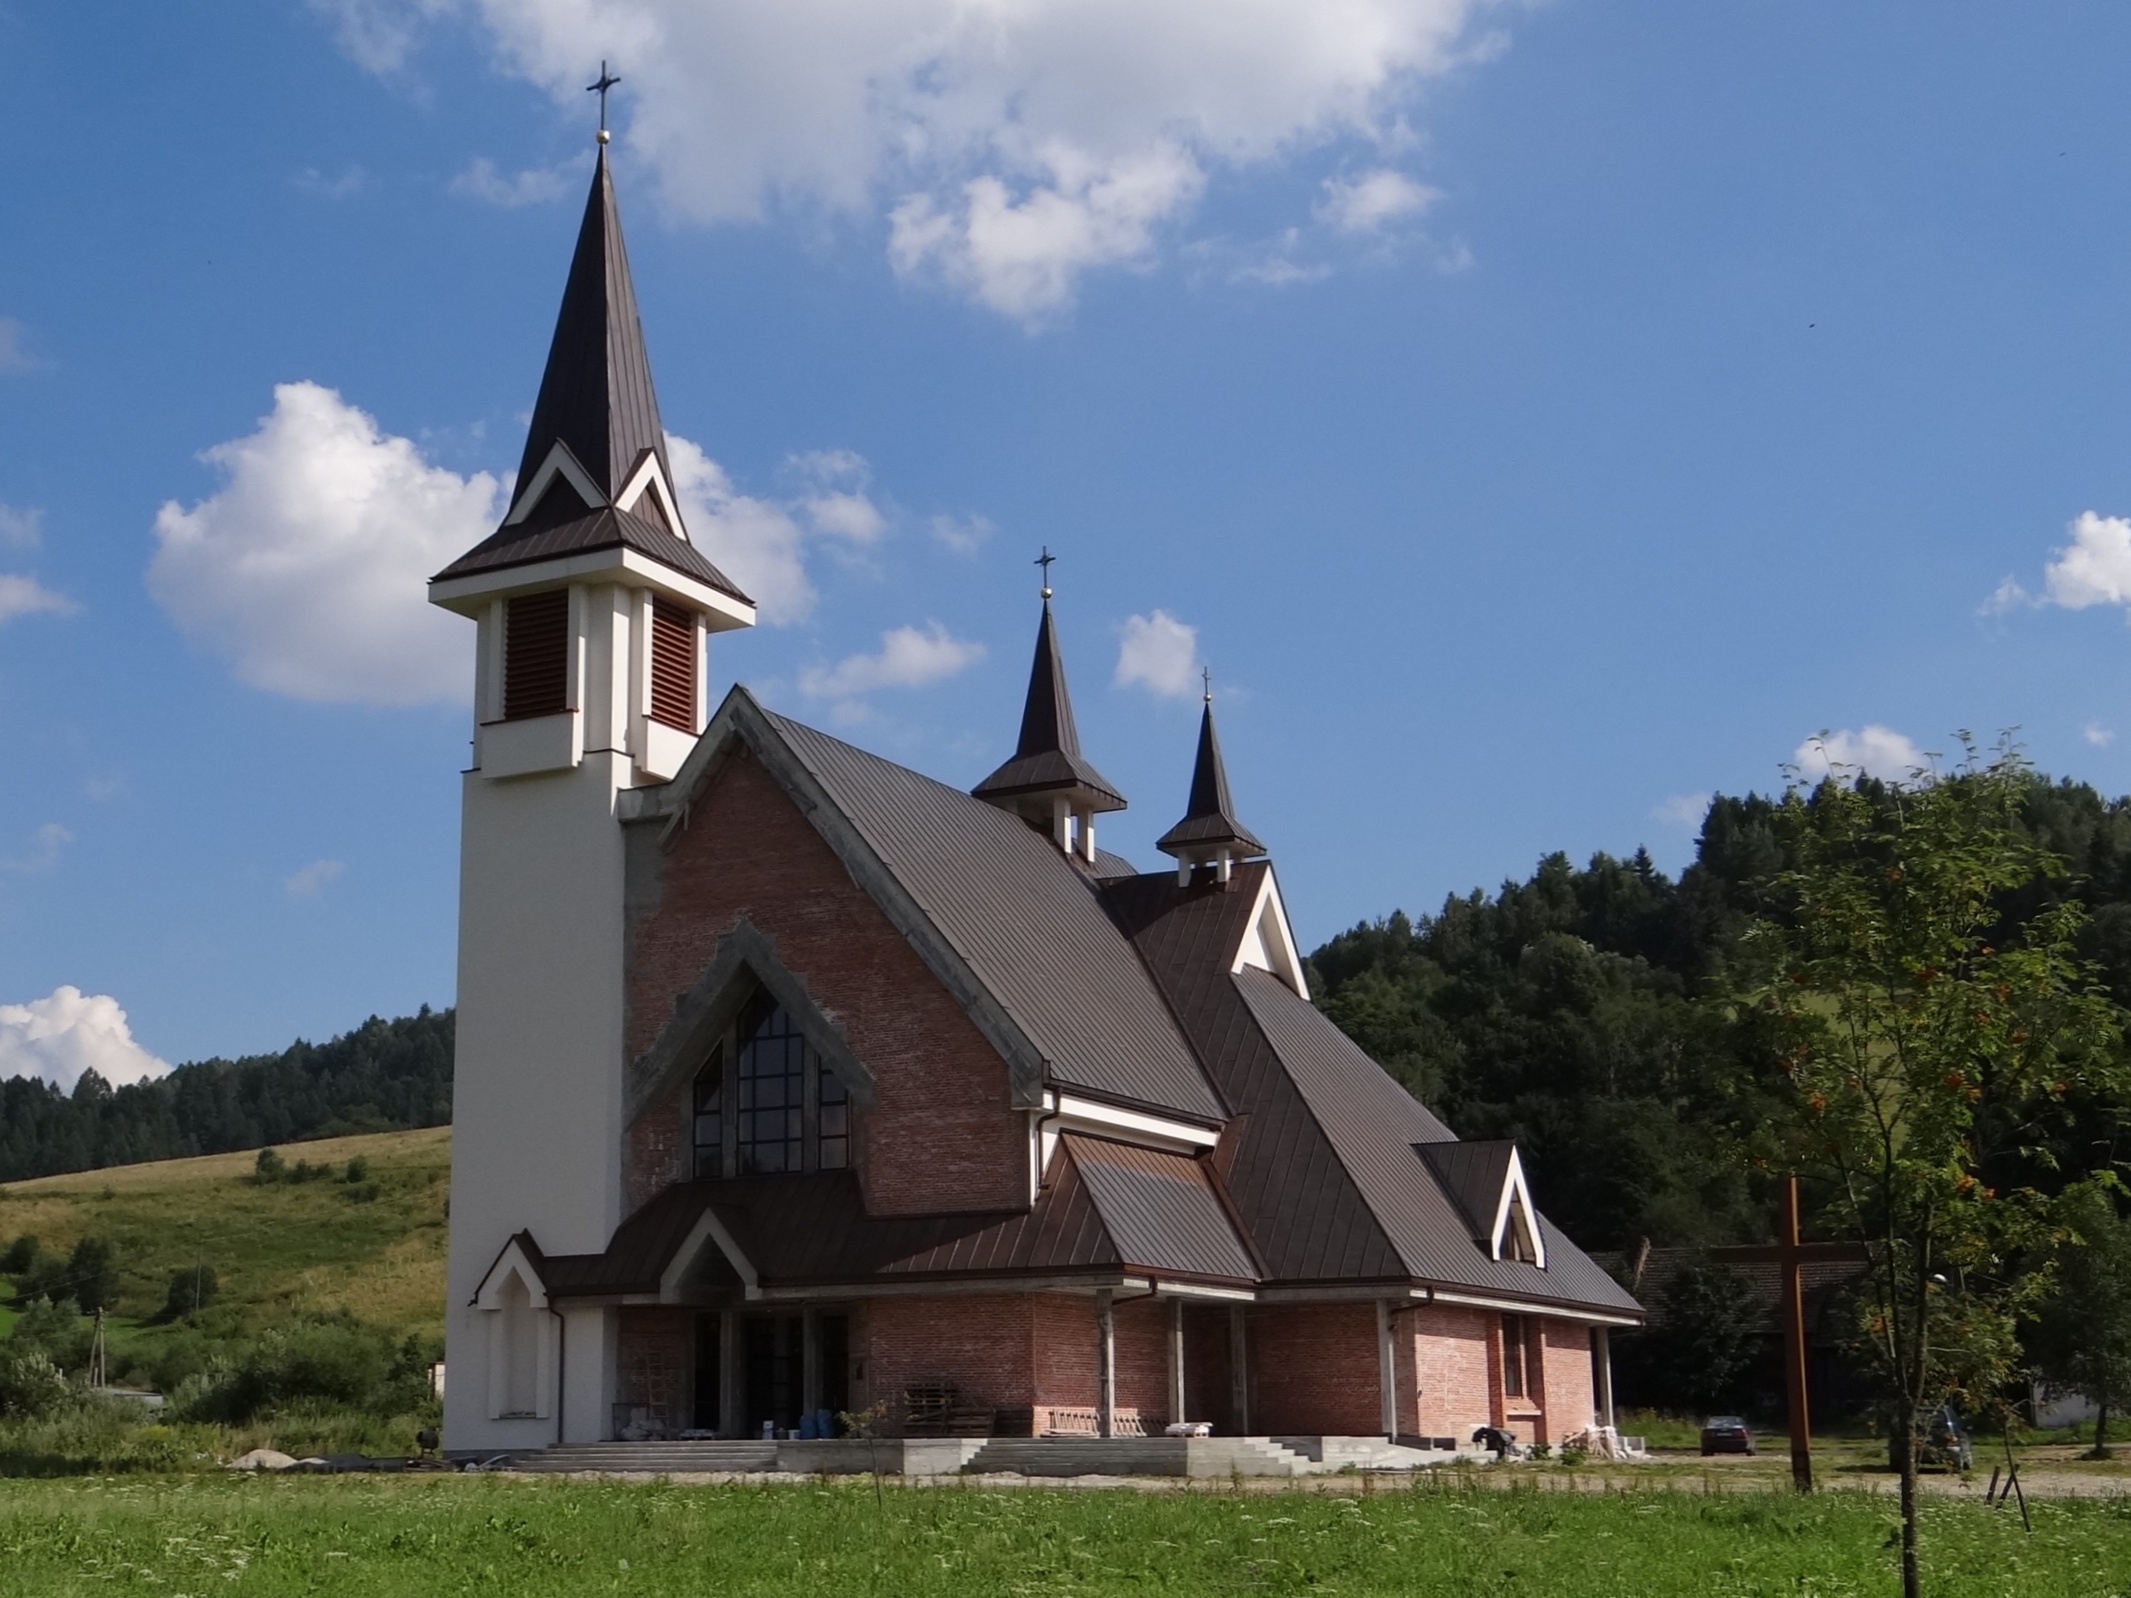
(593, 613)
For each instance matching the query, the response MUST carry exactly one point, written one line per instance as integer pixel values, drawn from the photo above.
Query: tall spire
(596, 396)
(1209, 830)
(1047, 780)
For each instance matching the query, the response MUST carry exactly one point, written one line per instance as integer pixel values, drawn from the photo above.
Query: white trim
(1542, 1311)
(1062, 1112)
(642, 481)
(511, 1262)
(708, 1229)
(720, 611)
(1268, 941)
(1233, 1295)
(1517, 1195)
(558, 461)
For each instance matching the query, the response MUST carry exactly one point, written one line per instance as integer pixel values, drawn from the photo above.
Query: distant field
(371, 1537)
(278, 1248)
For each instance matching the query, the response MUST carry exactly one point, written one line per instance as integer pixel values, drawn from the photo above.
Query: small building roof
(1210, 818)
(1047, 759)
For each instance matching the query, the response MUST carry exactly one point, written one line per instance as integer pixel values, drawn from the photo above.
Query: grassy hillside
(279, 1248)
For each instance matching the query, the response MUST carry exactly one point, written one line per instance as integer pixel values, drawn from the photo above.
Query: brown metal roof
(1029, 924)
(595, 393)
(1048, 756)
(1473, 1175)
(1162, 1210)
(1374, 1124)
(523, 543)
(1106, 1208)
(1210, 815)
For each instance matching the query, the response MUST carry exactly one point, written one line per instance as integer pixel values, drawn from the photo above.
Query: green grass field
(525, 1538)
(277, 1249)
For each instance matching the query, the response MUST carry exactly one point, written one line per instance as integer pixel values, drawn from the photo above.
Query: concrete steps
(1138, 1456)
(652, 1458)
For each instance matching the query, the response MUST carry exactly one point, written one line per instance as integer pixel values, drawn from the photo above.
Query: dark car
(1941, 1440)
(1727, 1434)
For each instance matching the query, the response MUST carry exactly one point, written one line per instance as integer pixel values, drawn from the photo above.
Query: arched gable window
(789, 1110)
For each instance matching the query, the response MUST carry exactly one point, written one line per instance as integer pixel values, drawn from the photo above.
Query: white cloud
(536, 186)
(60, 1037)
(351, 179)
(836, 502)
(378, 35)
(1016, 145)
(43, 853)
(1161, 653)
(2097, 735)
(1875, 752)
(2095, 567)
(909, 657)
(1682, 809)
(25, 596)
(1366, 203)
(13, 356)
(755, 542)
(308, 568)
(21, 527)
(312, 880)
(965, 535)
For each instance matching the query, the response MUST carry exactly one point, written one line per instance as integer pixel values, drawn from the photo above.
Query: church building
(793, 1085)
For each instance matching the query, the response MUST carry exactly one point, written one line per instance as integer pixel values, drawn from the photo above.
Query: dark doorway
(710, 1377)
(774, 1367)
(835, 1364)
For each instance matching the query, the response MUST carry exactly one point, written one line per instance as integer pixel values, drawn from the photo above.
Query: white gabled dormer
(1268, 941)
(1486, 1182)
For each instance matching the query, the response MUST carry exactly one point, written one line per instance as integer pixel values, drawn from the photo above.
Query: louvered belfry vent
(673, 666)
(536, 655)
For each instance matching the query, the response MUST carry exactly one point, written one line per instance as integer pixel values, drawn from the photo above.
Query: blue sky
(1537, 416)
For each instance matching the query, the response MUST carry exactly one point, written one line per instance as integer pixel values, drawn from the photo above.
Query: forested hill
(384, 1076)
(1584, 1012)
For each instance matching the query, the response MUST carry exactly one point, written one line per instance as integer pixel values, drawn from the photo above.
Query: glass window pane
(833, 1153)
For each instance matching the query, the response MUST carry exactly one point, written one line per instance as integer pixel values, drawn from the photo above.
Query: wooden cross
(1789, 1255)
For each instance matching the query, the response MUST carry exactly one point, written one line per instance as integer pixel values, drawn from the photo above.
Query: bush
(331, 1358)
(57, 1330)
(31, 1386)
(268, 1167)
(20, 1256)
(92, 1275)
(358, 1171)
(191, 1290)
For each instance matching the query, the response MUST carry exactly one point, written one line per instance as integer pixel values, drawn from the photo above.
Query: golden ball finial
(604, 135)
(1046, 593)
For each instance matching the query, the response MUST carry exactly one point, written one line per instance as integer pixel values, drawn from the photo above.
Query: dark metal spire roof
(1210, 821)
(596, 395)
(1048, 757)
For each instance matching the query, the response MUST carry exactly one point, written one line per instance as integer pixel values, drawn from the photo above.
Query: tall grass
(533, 1537)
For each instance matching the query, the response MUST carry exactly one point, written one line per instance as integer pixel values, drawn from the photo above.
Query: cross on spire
(607, 80)
(1206, 677)
(1044, 560)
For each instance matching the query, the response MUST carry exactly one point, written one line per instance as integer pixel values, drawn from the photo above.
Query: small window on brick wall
(536, 655)
(673, 666)
(1514, 1355)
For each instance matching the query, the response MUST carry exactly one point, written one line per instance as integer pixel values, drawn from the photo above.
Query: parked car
(1941, 1440)
(1727, 1434)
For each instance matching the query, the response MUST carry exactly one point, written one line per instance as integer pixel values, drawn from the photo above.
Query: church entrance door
(793, 1365)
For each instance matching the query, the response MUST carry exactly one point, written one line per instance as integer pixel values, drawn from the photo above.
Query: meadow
(530, 1537)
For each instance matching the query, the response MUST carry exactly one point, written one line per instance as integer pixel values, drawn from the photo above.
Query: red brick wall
(940, 1134)
(660, 1148)
(1141, 1326)
(1445, 1388)
(980, 1344)
(1062, 1331)
(1567, 1358)
(1314, 1369)
(655, 1363)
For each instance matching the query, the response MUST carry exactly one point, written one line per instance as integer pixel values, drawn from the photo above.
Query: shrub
(305, 1171)
(331, 1358)
(92, 1274)
(191, 1290)
(268, 1167)
(366, 1194)
(20, 1256)
(358, 1171)
(31, 1386)
(55, 1329)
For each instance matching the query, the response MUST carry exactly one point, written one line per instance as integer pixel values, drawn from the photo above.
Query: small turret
(1048, 783)
(1209, 832)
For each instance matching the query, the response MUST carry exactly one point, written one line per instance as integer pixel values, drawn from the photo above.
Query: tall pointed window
(673, 665)
(536, 655)
(1515, 1370)
(769, 1103)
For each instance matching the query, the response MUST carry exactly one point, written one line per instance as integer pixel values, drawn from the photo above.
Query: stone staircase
(1364, 1453)
(1139, 1456)
(652, 1459)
